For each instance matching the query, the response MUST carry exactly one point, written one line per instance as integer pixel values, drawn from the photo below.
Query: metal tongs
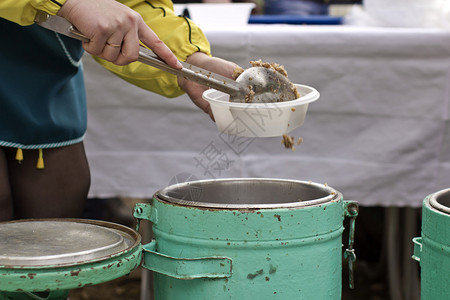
(148, 57)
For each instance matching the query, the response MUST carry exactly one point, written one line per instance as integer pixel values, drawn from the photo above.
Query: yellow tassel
(40, 162)
(19, 155)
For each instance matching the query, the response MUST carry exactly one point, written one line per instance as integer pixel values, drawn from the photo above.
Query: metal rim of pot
(328, 194)
(441, 201)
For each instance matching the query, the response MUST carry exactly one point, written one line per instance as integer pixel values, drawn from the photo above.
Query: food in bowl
(259, 119)
(274, 67)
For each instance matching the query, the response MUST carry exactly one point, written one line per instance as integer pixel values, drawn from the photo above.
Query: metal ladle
(268, 85)
(265, 85)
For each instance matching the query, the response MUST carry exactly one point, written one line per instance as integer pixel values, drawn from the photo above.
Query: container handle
(417, 248)
(351, 209)
(186, 268)
(144, 211)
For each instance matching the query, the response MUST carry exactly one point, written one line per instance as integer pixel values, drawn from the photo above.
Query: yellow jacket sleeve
(23, 12)
(180, 34)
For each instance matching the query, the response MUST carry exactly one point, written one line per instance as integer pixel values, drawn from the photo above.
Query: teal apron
(42, 93)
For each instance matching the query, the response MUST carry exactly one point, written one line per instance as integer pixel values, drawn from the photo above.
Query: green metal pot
(45, 258)
(432, 249)
(247, 239)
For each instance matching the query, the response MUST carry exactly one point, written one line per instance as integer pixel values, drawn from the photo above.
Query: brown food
(249, 97)
(296, 93)
(288, 142)
(274, 66)
(237, 71)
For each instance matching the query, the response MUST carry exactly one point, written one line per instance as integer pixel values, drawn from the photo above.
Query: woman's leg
(6, 207)
(57, 191)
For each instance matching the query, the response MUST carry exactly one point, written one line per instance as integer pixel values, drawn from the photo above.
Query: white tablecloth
(379, 134)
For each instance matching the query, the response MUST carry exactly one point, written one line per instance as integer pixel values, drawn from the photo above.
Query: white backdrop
(379, 134)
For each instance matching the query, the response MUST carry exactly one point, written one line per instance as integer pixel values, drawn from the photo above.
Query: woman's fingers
(114, 31)
(116, 40)
(150, 39)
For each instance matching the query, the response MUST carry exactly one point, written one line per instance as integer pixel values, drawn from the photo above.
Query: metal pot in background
(247, 239)
(432, 249)
(46, 258)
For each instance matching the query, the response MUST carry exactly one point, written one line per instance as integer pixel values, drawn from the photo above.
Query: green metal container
(432, 249)
(247, 239)
(45, 258)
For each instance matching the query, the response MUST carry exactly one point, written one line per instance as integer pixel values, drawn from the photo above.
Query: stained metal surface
(53, 242)
(249, 193)
(282, 237)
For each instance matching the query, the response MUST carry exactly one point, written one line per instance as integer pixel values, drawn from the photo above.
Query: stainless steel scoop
(267, 85)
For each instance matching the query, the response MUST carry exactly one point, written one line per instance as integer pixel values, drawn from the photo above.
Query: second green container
(432, 249)
(247, 239)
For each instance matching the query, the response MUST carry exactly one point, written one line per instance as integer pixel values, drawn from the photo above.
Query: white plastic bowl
(260, 119)
(208, 15)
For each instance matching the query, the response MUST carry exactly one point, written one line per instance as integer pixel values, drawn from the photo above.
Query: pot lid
(53, 242)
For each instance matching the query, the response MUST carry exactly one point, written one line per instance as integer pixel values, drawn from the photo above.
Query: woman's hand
(213, 64)
(114, 31)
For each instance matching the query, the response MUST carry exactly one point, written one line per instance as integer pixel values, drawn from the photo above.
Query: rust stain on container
(272, 269)
(253, 275)
(75, 273)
